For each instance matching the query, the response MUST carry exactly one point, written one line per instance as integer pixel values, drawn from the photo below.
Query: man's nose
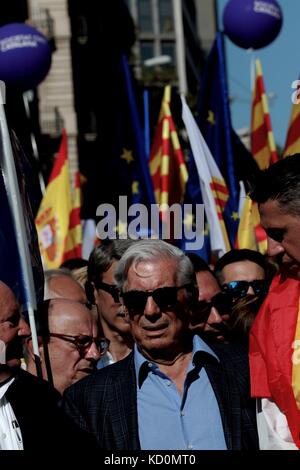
(92, 352)
(274, 247)
(151, 308)
(24, 328)
(214, 317)
(250, 290)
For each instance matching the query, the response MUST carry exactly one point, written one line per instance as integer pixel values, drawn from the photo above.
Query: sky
(280, 64)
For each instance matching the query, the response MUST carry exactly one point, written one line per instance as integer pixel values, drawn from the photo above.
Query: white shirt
(10, 432)
(273, 429)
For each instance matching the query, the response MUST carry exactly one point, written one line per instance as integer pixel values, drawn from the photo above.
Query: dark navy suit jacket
(105, 404)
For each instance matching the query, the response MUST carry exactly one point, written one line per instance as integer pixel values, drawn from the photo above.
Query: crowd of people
(146, 347)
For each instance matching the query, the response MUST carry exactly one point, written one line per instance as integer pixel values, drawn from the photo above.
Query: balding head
(12, 327)
(61, 284)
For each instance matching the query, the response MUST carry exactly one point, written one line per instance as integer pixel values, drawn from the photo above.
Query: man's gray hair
(150, 250)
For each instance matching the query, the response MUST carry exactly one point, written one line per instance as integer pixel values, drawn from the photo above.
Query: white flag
(209, 175)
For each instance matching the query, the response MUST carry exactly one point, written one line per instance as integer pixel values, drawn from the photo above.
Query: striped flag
(213, 187)
(167, 166)
(262, 139)
(292, 144)
(73, 247)
(250, 234)
(53, 218)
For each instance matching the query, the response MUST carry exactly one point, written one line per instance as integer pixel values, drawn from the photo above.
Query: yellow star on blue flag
(211, 117)
(127, 156)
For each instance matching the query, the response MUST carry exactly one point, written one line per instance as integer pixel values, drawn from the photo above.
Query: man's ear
(29, 347)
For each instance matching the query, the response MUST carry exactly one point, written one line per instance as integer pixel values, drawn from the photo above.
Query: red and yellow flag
(250, 234)
(275, 352)
(73, 247)
(167, 166)
(56, 216)
(262, 139)
(292, 144)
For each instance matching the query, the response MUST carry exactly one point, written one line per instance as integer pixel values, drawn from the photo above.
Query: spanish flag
(262, 139)
(73, 248)
(53, 218)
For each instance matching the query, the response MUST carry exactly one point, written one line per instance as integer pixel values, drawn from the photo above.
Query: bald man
(29, 416)
(70, 338)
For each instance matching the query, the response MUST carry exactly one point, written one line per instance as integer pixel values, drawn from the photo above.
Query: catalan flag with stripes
(213, 187)
(262, 139)
(53, 218)
(292, 144)
(167, 166)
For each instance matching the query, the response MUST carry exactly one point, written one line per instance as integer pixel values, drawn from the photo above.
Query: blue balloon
(252, 23)
(25, 56)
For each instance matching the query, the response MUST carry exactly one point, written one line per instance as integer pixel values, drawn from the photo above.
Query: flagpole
(33, 143)
(146, 123)
(15, 203)
(180, 48)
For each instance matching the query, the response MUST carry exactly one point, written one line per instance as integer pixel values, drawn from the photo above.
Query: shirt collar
(143, 365)
(5, 386)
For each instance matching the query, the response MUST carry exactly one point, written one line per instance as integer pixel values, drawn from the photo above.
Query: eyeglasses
(276, 234)
(165, 298)
(111, 288)
(240, 288)
(221, 301)
(84, 342)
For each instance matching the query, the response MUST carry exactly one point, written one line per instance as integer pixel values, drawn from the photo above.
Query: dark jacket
(105, 404)
(43, 424)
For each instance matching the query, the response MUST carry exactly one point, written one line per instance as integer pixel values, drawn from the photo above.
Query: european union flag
(10, 266)
(215, 124)
(129, 164)
(193, 196)
(142, 188)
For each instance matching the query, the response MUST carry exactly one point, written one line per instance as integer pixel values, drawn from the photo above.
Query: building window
(168, 48)
(145, 20)
(166, 23)
(147, 50)
(155, 37)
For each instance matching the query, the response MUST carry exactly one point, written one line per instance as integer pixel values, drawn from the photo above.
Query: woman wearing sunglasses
(245, 275)
(172, 392)
(242, 272)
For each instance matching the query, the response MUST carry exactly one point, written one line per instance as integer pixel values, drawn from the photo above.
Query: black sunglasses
(164, 297)
(112, 289)
(84, 342)
(240, 288)
(221, 301)
(276, 234)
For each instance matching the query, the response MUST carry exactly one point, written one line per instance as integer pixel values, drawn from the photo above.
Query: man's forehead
(272, 216)
(155, 267)
(7, 297)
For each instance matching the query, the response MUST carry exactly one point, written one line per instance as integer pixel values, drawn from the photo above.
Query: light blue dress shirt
(168, 421)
